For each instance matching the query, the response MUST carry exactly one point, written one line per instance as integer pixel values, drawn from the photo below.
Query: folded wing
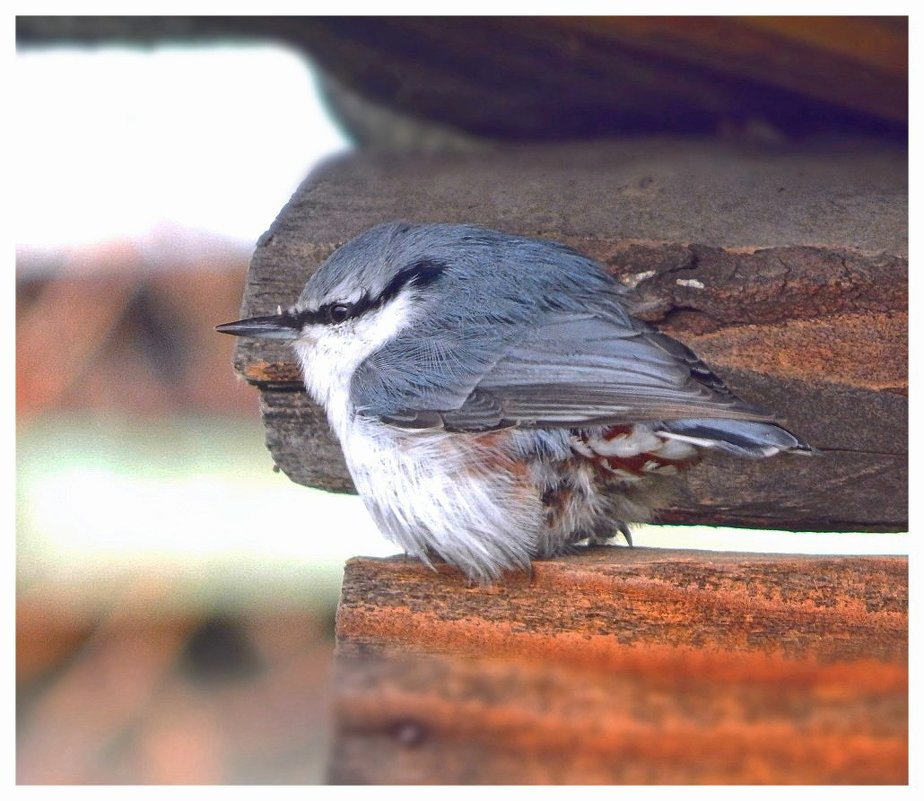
(574, 370)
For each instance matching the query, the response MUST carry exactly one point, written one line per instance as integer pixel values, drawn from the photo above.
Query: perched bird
(487, 388)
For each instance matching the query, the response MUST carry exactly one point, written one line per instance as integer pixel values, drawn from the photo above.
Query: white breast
(429, 491)
(433, 493)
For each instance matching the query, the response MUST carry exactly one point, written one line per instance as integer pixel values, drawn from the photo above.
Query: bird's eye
(339, 312)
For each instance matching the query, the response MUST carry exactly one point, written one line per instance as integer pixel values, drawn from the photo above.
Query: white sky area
(114, 142)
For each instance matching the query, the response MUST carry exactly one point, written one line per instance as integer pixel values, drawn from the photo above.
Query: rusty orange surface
(626, 666)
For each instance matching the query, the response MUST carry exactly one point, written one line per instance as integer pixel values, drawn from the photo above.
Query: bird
(496, 400)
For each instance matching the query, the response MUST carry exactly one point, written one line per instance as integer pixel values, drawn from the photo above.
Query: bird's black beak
(276, 326)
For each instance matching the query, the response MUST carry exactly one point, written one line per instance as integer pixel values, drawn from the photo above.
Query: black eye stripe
(421, 273)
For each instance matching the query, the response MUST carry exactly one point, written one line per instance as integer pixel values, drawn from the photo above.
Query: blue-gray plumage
(486, 388)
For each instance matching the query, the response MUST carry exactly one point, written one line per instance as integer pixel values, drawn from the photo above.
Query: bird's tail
(748, 438)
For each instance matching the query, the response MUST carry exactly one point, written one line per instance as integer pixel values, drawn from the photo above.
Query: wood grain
(786, 270)
(554, 78)
(625, 666)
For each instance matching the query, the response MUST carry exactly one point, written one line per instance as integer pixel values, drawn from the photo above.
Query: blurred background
(166, 633)
(174, 614)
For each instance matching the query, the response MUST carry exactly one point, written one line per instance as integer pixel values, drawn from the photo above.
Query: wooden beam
(785, 269)
(622, 665)
(554, 78)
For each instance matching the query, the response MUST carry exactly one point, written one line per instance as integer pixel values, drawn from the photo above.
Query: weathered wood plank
(786, 270)
(552, 78)
(625, 666)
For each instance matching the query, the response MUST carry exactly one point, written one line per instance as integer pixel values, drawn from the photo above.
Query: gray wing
(573, 371)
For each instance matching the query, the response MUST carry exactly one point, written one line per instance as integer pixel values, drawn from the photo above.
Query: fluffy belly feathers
(490, 501)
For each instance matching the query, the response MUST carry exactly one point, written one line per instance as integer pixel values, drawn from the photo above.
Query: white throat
(330, 354)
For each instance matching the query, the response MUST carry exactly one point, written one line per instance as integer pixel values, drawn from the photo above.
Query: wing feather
(578, 370)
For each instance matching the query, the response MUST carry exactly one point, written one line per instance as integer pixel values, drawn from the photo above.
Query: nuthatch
(487, 388)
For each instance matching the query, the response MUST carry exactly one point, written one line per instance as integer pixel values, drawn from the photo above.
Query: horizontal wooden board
(439, 80)
(628, 666)
(785, 269)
